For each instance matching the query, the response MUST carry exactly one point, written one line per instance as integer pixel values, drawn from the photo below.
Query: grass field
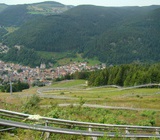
(136, 98)
(66, 58)
(11, 29)
(146, 99)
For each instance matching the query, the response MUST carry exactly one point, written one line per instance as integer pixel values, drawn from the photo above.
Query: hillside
(113, 35)
(136, 40)
(78, 25)
(16, 15)
(3, 6)
(47, 8)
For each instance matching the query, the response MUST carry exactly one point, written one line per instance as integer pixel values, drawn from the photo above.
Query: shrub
(148, 113)
(32, 102)
(62, 93)
(54, 113)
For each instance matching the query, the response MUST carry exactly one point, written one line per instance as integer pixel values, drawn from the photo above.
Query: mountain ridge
(16, 15)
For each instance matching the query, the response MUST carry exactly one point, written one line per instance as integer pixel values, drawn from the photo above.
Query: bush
(148, 113)
(32, 102)
(54, 113)
(62, 93)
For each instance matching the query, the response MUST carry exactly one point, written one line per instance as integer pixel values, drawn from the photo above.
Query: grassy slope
(46, 8)
(69, 84)
(64, 58)
(136, 98)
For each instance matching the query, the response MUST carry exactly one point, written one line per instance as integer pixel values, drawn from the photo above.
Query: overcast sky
(93, 2)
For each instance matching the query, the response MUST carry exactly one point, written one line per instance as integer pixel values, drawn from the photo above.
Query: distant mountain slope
(47, 8)
(3, 6)
(137, 39)
(69, 31)
(16, 15)
(113, 35)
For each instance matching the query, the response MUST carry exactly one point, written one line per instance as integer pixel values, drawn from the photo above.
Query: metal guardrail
(73, 132)
(125, 130)
(77, 122)
(41, 90)
(7, 129)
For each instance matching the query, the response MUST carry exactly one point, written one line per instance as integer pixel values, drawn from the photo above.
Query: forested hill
(16, 15)
(3, 6)
(114, 35)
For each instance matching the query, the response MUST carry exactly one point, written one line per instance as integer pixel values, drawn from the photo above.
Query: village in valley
(15, 72)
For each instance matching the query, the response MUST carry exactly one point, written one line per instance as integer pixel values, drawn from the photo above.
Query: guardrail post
(90, 130)
(127, 131)
(45, 134)
(157, 132)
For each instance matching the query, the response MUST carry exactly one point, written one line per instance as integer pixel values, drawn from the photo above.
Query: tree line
(122, 75)
(16, 87)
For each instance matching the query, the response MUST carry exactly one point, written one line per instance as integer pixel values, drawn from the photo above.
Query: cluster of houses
(3, 48)
(30, 75)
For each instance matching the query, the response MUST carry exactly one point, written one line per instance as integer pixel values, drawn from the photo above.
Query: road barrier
(108, 130)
